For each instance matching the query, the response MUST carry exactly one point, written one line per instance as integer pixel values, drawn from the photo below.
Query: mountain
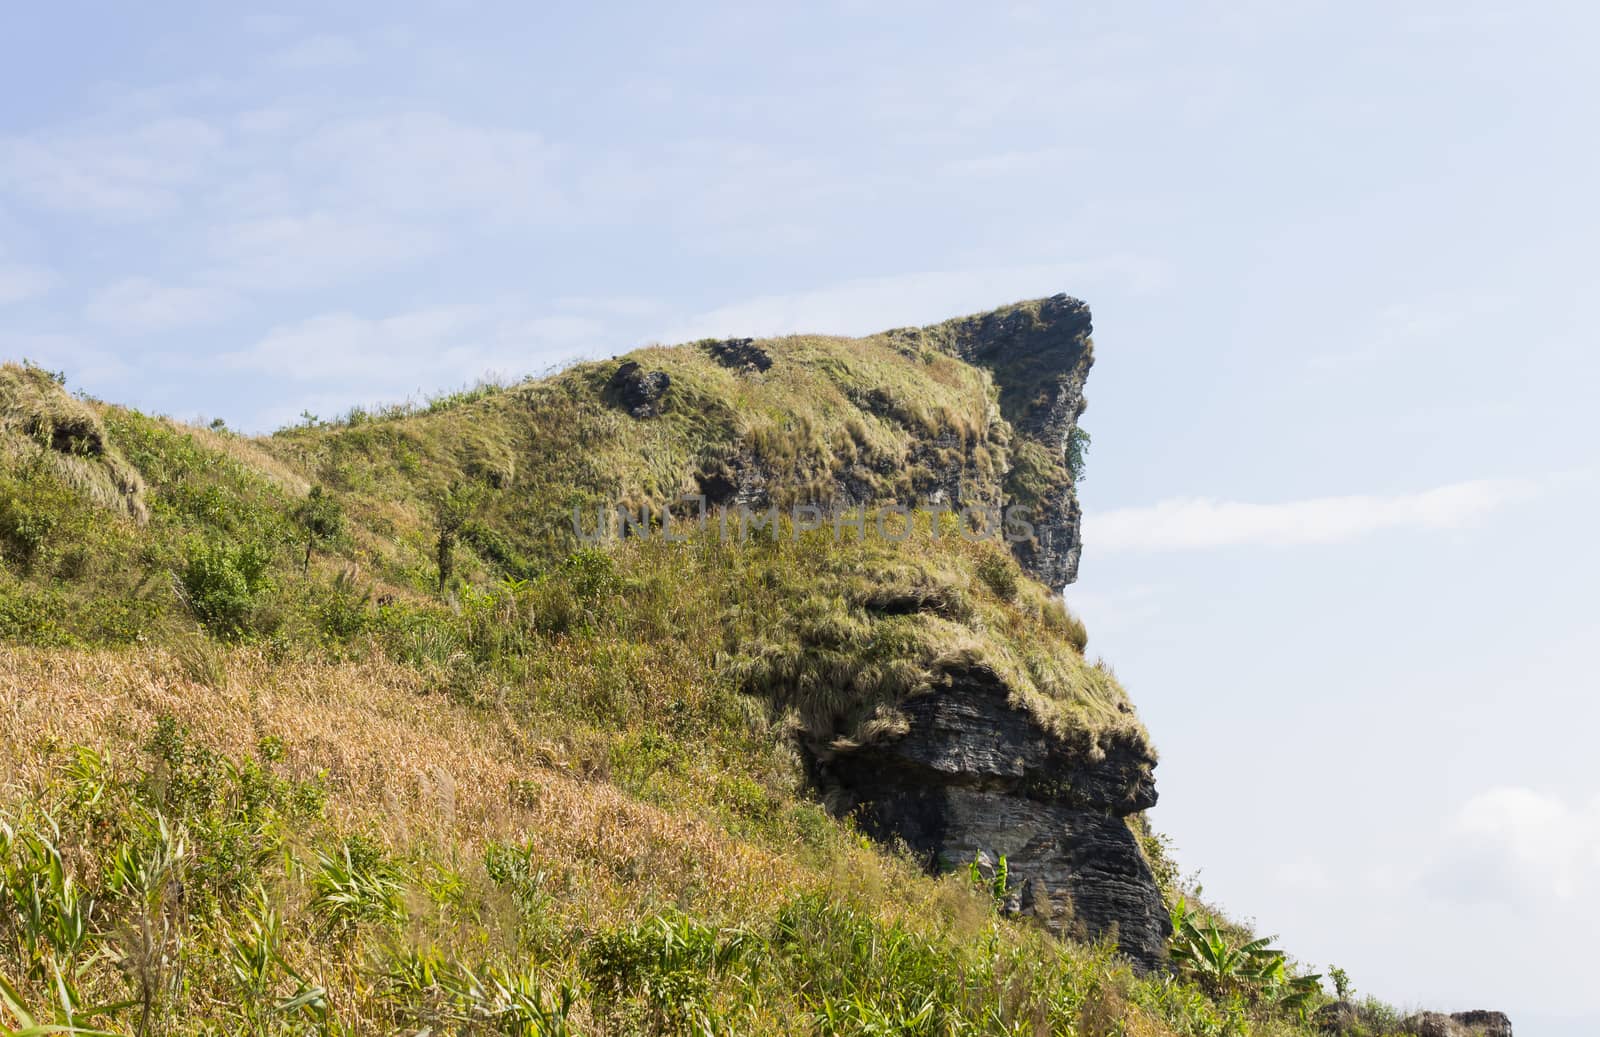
(724, 687)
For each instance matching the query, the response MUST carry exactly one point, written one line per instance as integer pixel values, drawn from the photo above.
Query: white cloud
(134, 172)
(1198, 523)
(1514, 844)
(140, 304)
(355, 359)
(83, 364)
(873, 304)
(321, 51)
(426, 162)
(19, 283)
(294, 252)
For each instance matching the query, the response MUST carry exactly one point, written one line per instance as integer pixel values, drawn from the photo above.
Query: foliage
(223, 583)
(1078, 441)
(1251, 970)
(996, 883)
(563, 798)
(321, 520)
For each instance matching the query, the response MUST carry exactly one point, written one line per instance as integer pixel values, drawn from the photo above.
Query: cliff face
(975, 778)
(971, 776)
(1039, 354)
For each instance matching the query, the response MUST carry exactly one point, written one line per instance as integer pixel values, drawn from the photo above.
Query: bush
(1001, 575)
(223, 585)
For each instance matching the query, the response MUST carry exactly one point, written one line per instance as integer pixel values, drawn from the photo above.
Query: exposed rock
(1338, 1017)
(1435, 1024)
(1484, 1023)
(1040, 354)
(974, 777)
(1477, 1023)
(638, 391)
(741, 354)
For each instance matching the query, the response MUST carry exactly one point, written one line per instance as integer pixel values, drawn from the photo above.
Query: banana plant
(1253, 969)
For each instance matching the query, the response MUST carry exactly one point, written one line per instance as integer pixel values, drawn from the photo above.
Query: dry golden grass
(39, 421)
(398, 759)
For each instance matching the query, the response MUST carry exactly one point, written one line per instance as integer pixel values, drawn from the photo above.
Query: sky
(1340, 534)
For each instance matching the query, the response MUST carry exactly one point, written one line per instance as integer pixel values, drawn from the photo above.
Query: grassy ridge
(247, 794)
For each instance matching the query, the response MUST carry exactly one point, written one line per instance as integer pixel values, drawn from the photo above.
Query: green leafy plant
(355, 885)
(222, 584)
(996, 884)
(321, 520)
(1249, 969)
(453, 504)
(1078, 441)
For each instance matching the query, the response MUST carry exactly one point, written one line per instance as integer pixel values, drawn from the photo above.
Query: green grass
(563, 795)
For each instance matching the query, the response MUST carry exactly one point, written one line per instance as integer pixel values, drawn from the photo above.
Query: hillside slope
(352, 728)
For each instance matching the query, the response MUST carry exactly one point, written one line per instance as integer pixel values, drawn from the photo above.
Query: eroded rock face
(1483, 1023)
(976, 778)
(1039, 355)
(740, 354)
(637, 390)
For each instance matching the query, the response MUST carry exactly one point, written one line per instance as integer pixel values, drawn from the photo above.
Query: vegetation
(343, 730)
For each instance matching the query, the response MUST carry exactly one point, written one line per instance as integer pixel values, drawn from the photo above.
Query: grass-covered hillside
(341, 730)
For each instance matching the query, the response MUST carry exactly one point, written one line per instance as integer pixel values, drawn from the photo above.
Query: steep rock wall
(974, 777)
(1038, 354)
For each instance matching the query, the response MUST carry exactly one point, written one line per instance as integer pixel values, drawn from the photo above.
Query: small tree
(453, 505)
(1078, 441)
(1342, 987)
(321, 520)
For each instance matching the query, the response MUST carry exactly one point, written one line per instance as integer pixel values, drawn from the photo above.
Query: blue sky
(1342, 491)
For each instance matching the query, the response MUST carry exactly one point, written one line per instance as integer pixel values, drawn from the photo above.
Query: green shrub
(354, 885)
(223, 584)
(1078, 441)
(321, 521)
(1001, 574)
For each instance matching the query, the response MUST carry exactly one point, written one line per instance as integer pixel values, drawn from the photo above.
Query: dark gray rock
(974, 777)
(638, 391)
(741, 354)
(1484, 1023)
(1338, 1017)
(1435, 1024)
(1039, 354)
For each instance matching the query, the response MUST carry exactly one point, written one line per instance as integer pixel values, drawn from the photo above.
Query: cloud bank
(1198, 523)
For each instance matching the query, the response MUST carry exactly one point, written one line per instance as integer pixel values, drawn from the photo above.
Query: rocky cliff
(967, 774)
(1037, 355)
(974, 778)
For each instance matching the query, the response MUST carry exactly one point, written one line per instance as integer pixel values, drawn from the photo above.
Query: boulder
(741, 354)
(638, 391)
(1484, 1023)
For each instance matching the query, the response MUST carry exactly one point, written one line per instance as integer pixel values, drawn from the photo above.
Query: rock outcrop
(1484, 1023)
(1344, 1017)
(975, 778)
(638, 391)
(1039, 354)
(1459, 1024)
(740, 354)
